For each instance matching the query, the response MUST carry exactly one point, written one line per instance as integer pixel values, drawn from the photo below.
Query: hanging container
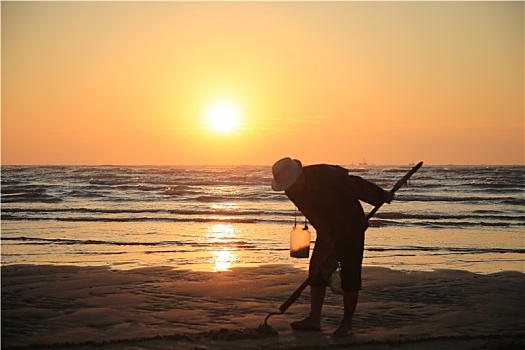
(300, 242)
(334, 281)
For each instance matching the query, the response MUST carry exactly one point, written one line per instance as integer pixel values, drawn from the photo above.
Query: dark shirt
(334, 195)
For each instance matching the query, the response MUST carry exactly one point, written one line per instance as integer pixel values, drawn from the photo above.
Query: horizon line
(247, 165)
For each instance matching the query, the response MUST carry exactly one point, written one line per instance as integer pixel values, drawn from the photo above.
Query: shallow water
(215, 218)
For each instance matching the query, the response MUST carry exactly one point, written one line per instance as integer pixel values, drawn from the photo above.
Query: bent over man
(329, 198)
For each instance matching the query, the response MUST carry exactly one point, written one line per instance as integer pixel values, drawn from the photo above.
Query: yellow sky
(337, 82)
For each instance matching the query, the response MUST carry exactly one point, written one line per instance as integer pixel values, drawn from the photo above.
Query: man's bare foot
(343, 330)
(308, 324)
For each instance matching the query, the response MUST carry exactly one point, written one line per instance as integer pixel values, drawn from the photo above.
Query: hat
(285, 172)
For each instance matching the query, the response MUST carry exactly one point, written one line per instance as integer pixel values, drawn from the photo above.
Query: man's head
(285, 172)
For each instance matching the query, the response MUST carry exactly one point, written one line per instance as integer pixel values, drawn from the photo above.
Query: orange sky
(338, 82)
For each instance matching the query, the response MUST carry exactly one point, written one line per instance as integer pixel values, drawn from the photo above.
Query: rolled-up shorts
(350, 246)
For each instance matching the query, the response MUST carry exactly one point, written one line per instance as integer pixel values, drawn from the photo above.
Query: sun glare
(223, 117)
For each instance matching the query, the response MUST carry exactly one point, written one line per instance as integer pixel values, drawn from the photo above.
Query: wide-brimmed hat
(285, 172)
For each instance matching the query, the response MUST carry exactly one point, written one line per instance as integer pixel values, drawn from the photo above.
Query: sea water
(214, 218)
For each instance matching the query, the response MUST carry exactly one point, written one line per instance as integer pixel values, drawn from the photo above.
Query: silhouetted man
(329, 198)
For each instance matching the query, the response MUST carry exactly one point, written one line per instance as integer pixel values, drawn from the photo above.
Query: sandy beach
(69, 307)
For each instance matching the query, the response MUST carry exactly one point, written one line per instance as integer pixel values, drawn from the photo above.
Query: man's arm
(368, 191)
(389, 196)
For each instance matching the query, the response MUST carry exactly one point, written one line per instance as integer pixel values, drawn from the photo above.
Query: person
(328, 196)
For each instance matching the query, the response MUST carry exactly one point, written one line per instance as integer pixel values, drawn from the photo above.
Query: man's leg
(351, 278)
(350, 303)
(316, 303)
(313, 321)
(317, 286)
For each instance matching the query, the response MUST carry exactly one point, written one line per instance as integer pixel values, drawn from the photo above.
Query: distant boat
(363, 162)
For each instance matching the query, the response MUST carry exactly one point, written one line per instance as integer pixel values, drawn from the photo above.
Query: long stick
(396, 187)
(299, 290)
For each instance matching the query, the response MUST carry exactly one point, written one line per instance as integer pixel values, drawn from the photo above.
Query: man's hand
(388, 197)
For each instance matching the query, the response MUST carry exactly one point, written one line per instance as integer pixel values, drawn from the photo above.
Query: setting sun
(223, 117)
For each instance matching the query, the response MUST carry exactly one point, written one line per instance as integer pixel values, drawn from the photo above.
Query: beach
(158, 156)
(72, 307)
(179, 257)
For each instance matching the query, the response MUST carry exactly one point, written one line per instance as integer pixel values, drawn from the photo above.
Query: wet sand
(163, 308)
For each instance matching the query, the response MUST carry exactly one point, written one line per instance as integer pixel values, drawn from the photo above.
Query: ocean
(215, 218)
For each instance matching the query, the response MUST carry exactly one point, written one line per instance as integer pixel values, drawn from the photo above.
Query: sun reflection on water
(223, 260)
(221, 239)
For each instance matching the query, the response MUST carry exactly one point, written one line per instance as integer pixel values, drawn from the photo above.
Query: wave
(139, 187)
(468, 224)
(479, 214)
(208, 212)
(397, 170)
(401, 216)
(30, 197)
(21, 189)
(238, 244)
(182, 193)
(467, 199)
(86, 194)
(111, 181)
(440, 224)
(461, 250)
(517, 169)
(357, 170)
(212, 198)
(241, 244)
(177, 190)
(439, 196)
(109, 195)
(230, 219)
(146, 219)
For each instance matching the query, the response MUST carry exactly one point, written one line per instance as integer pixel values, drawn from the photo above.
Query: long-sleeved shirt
(330, 199)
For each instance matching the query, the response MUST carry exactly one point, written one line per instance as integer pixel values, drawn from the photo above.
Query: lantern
(300, 242)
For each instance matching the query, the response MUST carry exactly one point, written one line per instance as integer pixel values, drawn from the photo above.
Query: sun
(223, 117)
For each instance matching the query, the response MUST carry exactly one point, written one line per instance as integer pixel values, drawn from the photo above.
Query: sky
(136, 83)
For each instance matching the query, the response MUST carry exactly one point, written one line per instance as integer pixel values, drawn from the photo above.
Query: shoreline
(194, 246)
(162, 307)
